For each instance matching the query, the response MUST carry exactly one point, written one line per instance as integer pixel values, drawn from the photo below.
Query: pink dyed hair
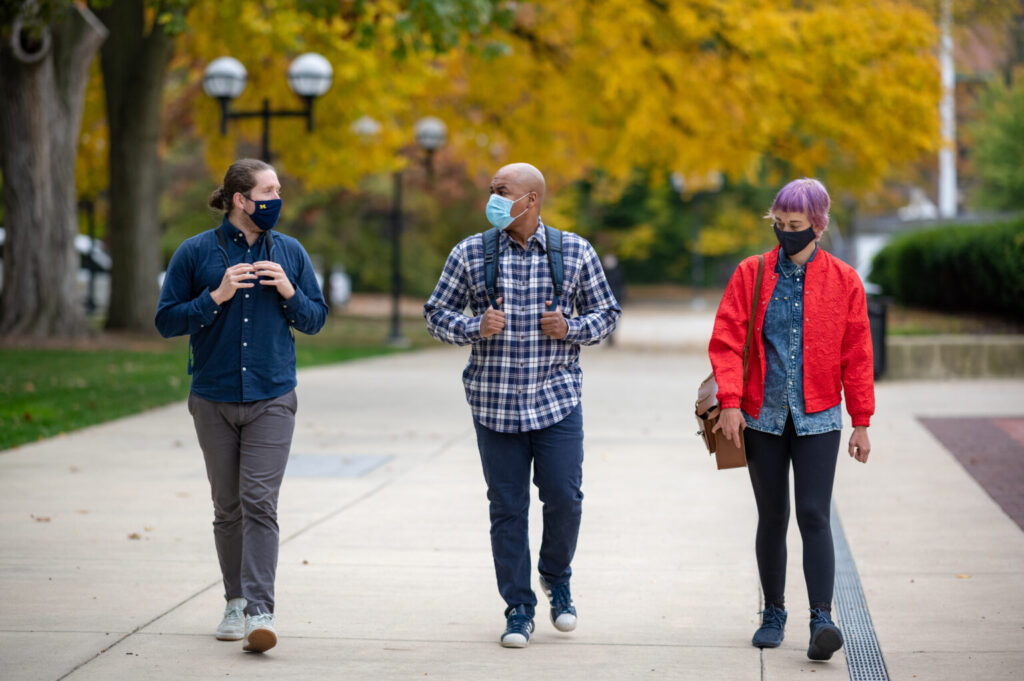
(807, 196)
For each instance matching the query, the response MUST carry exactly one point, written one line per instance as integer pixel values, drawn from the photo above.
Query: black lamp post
(431, 134)
(309, 76)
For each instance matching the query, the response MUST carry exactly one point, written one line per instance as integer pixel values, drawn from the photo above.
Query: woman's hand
(731, 423)
(860, 445)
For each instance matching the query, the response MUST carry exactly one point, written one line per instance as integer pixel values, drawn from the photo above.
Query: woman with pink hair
(812, 342)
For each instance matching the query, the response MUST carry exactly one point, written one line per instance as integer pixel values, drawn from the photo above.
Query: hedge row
(963, 268)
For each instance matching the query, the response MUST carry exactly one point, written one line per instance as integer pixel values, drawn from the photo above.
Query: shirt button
(243, 368)
(245, 345)
(522, 336)
(522, 364)
(246, 320)
(202, 325)
(522, 309)
(246, 295)
(286, 304)
(216, 311)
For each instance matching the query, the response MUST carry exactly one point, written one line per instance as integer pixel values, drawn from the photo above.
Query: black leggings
(814, 468)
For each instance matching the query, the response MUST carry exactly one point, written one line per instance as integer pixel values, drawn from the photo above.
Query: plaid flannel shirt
(521, 379)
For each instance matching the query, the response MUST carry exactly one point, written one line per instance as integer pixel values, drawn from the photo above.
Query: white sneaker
(232, 627)
(259, 633)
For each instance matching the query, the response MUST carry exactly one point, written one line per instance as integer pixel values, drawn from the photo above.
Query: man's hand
(272, 274)
(553, 323)
(730, 423)
(235, 277)
(860, 445)
(493, 320)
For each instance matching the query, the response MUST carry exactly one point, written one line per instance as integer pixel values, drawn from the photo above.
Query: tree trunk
(43, 92)
(134, 65)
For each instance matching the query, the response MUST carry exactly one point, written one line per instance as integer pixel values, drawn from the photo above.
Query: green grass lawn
(46, 392)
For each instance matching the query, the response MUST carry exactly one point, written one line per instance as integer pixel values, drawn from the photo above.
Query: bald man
(523, 385)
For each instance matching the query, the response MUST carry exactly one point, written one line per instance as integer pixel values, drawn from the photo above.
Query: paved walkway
(108, 569)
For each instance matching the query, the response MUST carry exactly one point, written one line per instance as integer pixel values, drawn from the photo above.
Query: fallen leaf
(134, 535)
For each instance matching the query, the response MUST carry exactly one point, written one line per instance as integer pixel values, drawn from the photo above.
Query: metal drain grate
(863, 654)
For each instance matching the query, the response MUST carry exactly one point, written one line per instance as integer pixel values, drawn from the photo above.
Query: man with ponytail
(238, 291)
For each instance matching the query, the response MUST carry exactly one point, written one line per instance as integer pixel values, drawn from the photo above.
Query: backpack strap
(490, 238)
(554, 248)
(223, 243)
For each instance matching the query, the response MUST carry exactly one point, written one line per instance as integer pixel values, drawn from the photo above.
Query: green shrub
(961, 268)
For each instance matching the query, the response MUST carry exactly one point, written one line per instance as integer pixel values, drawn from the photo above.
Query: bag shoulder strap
(490, 239)
(754, 300)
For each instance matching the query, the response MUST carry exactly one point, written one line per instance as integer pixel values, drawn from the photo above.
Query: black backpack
(554, 249)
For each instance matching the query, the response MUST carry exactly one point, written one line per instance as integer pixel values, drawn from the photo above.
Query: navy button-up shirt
(242, 350)
(784, 359)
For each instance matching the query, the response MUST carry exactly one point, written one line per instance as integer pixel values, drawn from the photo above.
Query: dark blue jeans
(556, 453)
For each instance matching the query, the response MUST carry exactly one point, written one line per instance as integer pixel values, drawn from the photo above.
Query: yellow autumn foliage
(847, 90)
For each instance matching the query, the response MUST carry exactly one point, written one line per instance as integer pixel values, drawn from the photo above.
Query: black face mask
(794, 242)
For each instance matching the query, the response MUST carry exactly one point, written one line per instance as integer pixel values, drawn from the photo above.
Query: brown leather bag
(707, 408)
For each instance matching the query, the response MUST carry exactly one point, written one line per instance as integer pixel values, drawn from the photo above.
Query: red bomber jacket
(836, 337)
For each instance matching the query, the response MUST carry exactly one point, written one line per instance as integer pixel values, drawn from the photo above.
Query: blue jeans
(557, 456)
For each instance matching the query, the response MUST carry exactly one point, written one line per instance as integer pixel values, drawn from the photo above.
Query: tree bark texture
(134, 65)
(40, 121)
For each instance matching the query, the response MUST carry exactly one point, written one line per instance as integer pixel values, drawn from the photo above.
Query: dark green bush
(960, 268)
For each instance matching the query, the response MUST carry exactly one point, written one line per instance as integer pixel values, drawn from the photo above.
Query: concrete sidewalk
(108, 569)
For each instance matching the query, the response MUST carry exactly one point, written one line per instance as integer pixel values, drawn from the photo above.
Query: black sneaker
(773, 625)
(825, 636)
(563, 612)
(518, 627)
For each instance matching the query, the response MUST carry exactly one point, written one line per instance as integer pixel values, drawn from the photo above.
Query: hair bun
(217, 198)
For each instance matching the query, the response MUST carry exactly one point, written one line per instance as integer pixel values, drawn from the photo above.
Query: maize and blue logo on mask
(266, 213)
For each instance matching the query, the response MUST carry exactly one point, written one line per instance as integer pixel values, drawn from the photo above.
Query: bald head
(523, 177)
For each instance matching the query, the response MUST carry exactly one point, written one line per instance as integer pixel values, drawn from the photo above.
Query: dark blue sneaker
(773, 626)
(518, 627)
(563, 612)
(825, 636)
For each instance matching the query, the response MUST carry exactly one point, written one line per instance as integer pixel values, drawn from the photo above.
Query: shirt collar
(235, 235)
(540, 236)
(788, 268)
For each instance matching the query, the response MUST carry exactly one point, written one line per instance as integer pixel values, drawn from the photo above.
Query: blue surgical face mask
(499, 210)
(265, 213)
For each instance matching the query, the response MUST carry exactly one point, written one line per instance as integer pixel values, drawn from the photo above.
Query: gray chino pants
(246, 446)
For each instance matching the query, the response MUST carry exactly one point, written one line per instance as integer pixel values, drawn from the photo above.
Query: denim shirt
(243, 349)
(784, 359)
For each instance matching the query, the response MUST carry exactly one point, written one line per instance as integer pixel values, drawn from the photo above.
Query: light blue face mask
(499, 210)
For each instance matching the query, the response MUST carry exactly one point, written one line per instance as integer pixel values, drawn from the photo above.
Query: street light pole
(395, 338)
(309, 76)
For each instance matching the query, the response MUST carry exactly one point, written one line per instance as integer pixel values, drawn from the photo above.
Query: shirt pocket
(209, 276)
